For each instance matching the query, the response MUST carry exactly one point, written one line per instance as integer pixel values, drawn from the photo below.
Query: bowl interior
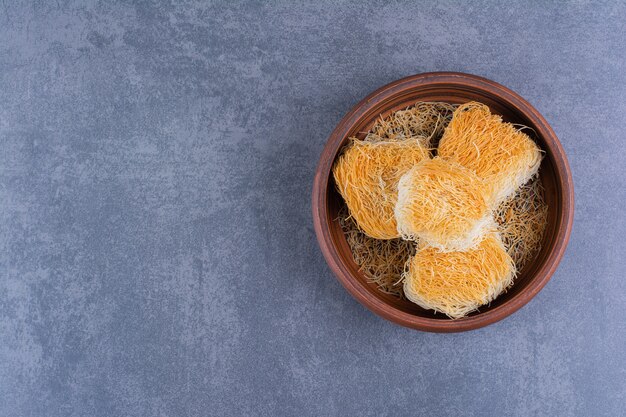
(455, 95)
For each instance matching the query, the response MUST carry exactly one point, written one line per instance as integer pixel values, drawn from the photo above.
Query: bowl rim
(321, 220)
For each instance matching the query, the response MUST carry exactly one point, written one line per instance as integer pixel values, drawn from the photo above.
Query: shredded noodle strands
(500, 153)
(522, 222)
(424, 120)
(443, 204)
(449, 233)
(367, 176)
(458, 283)
(381, 261)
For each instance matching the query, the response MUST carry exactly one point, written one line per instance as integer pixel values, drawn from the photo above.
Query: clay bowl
(453, 88)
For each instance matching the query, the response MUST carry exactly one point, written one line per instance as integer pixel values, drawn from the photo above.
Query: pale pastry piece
(442, 204)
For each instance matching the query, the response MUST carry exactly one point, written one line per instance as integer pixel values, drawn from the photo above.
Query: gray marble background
(157, 255)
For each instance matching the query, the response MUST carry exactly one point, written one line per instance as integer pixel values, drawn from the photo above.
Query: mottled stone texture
(157, 255)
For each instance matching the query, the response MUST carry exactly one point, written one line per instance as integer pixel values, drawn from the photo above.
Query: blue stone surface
(157, 255)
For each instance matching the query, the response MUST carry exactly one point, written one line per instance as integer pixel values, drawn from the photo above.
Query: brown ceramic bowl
(454, 88)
